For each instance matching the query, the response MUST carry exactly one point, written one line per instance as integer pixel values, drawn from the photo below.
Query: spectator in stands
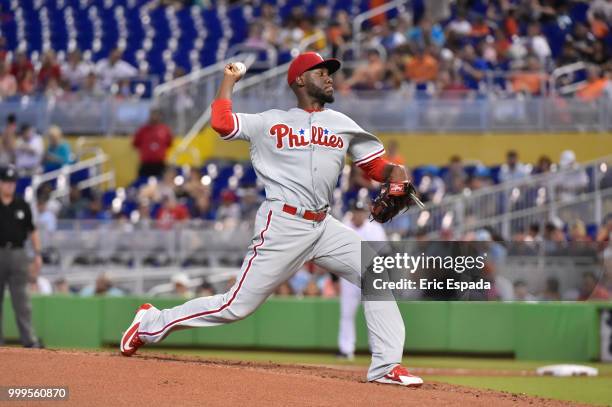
(339, 32)
(122, 90)
(91, 88)
(531, 80)
(284, 290)
(521, 293)
(75, 70)
(513, 169)
(58, 151)
(537, 42)
(480, 179)
(41, 286)
(573, 180)
(480, 29)
(171, 212)
(202, 207)
(102, 287)
(596, 86)
(368, 76)
(60, 286)
(582, 40)
(113, 68)
(22, 68)
(256, 37)
(181, 284)
(431, 187)
(29, 151)
(8, 139)
(312, 289)
(591, 289)
(8, 83)
(152, 142)
(229, 209)
(205, 289)
(601, 55)
(167, 186)
(533, 233)
(604, 234)
(312, 33)
(472, 67)
(602, 8)
(551, 292)
(77, 205)
(578, 232)
(426, 34)
(3, 50)
(193, 186)
(389, 37)
(27, 85)
(450, 86)
(553, 237)
(49, 69)
(95, 209)
(54, 89)
(456, 177)
(460, 26)
(394, 70)
(44, 218)
(543, 165)
(392, 153)
(421, 68)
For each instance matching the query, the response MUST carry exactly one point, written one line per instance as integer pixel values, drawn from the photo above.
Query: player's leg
(20, 298)
(276, 252)
(350, 297)
(339, 250)
(3, 279)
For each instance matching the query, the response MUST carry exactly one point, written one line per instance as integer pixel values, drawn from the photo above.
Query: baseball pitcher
(298, 155)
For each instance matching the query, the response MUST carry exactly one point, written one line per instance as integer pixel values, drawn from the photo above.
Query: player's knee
(237, 313)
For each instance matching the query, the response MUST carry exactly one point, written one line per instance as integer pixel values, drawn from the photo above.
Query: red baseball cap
(310, 60)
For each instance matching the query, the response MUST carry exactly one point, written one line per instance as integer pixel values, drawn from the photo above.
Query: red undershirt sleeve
(375, 169)
(222, 120)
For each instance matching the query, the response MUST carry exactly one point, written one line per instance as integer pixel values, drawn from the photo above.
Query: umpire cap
(8, 174)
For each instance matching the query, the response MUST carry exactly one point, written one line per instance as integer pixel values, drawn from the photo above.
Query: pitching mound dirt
(105, 379)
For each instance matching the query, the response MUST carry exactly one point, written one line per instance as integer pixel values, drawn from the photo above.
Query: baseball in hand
(240, 67)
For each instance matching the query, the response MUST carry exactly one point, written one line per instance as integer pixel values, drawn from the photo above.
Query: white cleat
(400, 376)
(130, 342)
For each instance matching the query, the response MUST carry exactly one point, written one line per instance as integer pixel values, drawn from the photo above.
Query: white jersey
(298, 155)
(369, 231)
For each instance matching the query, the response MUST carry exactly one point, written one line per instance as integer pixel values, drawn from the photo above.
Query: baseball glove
(393, 198)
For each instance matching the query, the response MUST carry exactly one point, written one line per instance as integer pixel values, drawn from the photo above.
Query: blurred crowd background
(69, 52)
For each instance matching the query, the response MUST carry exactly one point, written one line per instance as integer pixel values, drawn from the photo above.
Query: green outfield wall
(547, 331)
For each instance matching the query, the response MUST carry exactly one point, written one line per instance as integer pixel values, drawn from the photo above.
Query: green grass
(592, 390)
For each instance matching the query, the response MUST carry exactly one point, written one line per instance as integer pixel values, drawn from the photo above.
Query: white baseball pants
(281, 244)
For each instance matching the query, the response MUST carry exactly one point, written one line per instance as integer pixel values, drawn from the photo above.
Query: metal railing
(182, 100)
(583, 192)
(95, 176)
(405, 111)
(263, 87)
(365, 16)
(78, 114)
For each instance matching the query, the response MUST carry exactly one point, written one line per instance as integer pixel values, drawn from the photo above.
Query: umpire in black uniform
(15, 227)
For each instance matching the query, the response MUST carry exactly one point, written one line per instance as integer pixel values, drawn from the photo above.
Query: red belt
(308, 215)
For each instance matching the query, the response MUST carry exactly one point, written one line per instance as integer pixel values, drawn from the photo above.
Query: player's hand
(231, 72)
(35, 267)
